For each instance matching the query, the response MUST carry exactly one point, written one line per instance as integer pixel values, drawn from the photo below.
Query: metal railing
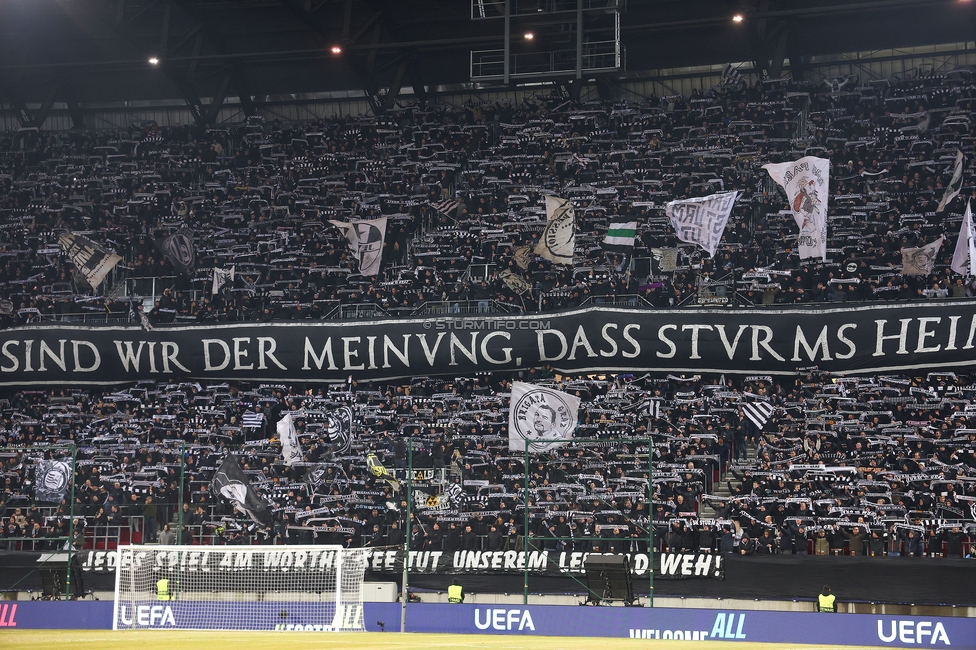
(597, 56)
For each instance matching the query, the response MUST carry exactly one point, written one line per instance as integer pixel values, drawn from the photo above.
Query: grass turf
(182, 640)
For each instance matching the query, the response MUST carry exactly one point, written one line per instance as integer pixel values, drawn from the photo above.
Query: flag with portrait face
(543, 418)
(366, 238)
(338, 426)
(807, 185)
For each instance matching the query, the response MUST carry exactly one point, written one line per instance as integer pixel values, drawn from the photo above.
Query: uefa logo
(544, 419)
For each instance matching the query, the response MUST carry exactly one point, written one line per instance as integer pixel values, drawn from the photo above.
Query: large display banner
(889, 337)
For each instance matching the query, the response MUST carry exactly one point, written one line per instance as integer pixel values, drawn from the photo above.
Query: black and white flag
(515, 282)
(51, 480)
(252, 419)
(559, 237)
(522, 256)
(921, 260)
(730, 76)
(459, 498)
(92, 261)
(667, 258)
(220, 278)
(317, 475)
(447, 207)
(758, 412)
(291, 448)
(338, 425)
(230, 482)
(654, 408)
(955, 184)
(179, 250)
(702, 220)
(542, 417)
(365, 241)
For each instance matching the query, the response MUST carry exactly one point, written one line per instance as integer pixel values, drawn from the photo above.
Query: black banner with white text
(387, 561)
(757, 576)
(888, 337)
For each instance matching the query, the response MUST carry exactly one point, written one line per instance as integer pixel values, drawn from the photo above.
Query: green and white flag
(621, 234)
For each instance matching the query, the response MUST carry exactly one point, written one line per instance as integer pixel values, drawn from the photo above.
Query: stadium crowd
(881, 465)
(462, 189)
(872, 465)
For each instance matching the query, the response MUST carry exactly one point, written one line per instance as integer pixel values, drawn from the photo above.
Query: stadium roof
(97, 51)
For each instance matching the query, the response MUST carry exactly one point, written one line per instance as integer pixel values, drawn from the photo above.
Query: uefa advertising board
(734, 626)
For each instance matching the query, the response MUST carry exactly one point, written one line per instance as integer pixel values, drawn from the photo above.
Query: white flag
(365, 241)
(543, 417)
(955, 184)
(921, 260)
(91, 261)
(965, 253)
(559, 237)
(702, 220)
(221, 277)
(806, 182)
(291, 449)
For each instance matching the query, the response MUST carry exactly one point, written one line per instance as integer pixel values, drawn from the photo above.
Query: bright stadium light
(153, 61)
(529, 36)
(737, 18)
(336, 49)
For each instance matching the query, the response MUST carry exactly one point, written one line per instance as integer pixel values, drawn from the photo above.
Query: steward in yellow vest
(162, 589)
(455, 593)
(826, 602)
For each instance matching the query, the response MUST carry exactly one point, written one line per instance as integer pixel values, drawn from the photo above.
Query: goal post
(290, 588)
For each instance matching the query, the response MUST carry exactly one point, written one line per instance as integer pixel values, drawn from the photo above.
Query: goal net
(305, 588)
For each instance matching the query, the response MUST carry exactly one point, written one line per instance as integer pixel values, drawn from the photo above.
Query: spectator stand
(44, 474)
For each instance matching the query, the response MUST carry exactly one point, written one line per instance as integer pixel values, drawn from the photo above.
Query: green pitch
(154, 640)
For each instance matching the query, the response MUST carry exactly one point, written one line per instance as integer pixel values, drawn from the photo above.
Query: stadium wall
(619, 622)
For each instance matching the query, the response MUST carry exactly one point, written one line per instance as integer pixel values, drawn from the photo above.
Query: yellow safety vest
(162, 589)
(826, 602)
(454, 594)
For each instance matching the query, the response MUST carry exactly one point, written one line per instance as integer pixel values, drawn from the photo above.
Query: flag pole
(179, 504)
(71, 522)
(404, 595)
(525, 528)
